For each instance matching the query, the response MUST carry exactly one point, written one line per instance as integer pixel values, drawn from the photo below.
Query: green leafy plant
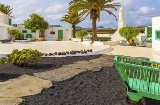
(25, 57)
(129, 33)
(81, 34)
(19, 36)
(2, 61)
(14, 33)
(36, 22)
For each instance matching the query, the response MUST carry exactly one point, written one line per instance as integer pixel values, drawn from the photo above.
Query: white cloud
(56, 8)
(39, 10)
(54, 17)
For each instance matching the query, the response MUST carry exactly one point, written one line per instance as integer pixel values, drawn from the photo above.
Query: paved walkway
(71, 70)
(22, 86)
(136, 52)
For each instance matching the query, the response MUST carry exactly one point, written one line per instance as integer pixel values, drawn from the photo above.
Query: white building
(156, 33)
(5, 24)
(52, 33)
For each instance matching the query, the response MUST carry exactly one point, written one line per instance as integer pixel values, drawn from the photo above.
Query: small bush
(63, 53)
(59, 53)
(57, 39)
(42, 39)
(19, 36)
(67, 52)
(25, 57)
(50, 54)
(2, 61)
(55, 53)
(46, 54)
(32, 39)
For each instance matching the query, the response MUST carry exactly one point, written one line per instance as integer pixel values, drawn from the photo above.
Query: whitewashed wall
(2, 19)
(4, 33)
(34, 35)
(155, 26)
(6, 21)
(67, 32)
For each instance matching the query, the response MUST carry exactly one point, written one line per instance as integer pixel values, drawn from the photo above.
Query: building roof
(2, 14)
(55, 26)
(5, 25)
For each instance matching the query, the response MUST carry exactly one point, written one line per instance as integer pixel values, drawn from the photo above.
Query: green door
(60, 34)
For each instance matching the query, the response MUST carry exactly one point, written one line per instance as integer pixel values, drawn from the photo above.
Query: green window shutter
(157, 36)
(9, 21)
(149, 31)
(24, 31)
(28, 35)
(14, 25)
(33, 31)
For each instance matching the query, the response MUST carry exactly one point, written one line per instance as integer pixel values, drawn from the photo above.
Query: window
(52, 32)
(14, 25)
(28, 35)
(33, 31)
(9, 21)
(157, 37)
(24, 31)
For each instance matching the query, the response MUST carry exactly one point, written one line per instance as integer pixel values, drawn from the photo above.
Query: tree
(13, 33)
(72, 19)
(81, 34)
(36, 22)
(129, 33)
(19, 36)
(92, 8)
(6, 9)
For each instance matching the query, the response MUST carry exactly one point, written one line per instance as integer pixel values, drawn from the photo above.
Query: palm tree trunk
(74, 30)
(94, 30)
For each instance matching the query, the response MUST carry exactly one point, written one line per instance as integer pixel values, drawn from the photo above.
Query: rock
(97, 68)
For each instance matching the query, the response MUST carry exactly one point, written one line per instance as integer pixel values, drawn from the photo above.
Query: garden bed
(103, 87)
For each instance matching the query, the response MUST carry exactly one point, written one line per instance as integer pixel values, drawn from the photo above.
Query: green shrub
(25, 57)
(19, 36)
(2, 61)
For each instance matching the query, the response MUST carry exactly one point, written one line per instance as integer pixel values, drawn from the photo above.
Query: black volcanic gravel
(104, 87)
(12, 71)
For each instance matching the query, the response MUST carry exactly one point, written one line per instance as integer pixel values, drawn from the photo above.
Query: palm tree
(73, 19)
(6, 9)
(81, 34)
(93, 8)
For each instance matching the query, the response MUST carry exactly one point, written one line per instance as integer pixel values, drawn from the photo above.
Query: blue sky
(137, 12)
